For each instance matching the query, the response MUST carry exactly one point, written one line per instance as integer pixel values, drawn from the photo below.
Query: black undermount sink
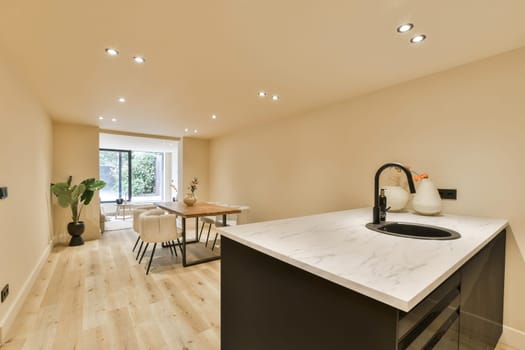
(411, 230)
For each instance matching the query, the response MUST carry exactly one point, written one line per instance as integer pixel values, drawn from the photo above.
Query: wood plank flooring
(97, 296)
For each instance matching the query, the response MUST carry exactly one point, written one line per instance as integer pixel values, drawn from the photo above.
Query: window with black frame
(131, 175)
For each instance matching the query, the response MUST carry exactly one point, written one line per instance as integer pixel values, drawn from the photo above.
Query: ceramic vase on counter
(427, 201)
(396, 197)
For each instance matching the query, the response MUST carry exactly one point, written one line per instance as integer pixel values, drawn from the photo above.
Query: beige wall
(75, 152)
(194, 162)
(25, 168)
(464, 127)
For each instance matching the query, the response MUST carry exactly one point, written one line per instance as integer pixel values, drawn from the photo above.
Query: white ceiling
(206, 57)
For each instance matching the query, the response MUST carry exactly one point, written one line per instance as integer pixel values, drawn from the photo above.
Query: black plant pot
(76, 229)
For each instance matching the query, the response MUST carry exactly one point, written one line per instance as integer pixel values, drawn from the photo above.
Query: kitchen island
(326, 281)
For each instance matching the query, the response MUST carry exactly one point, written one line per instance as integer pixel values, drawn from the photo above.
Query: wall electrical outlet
(5, 292)
(445, 193)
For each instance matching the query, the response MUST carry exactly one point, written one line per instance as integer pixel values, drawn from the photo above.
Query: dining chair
(158, 228)
(208, 220)
(231, 220)
(136, 225)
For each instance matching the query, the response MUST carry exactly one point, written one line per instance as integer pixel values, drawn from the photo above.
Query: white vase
(427, 200)
(396, 197)
(190, 199)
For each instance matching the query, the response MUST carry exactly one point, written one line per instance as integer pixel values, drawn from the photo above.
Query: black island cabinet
(270, 304)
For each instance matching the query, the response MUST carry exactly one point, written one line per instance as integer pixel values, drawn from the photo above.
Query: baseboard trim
(12, 312)
(512, 337)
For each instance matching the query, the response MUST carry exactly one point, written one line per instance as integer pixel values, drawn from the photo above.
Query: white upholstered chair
(158, 228)
(136, 229)
(136, 225)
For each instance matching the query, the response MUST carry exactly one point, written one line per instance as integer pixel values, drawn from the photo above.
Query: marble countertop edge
(404, 299)
(370, 292)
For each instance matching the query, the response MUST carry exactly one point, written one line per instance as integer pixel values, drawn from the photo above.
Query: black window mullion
(129, 175)
(119, 174)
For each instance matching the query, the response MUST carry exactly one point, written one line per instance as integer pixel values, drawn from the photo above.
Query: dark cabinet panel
(269, 304)
(425, 325)
(482, 281)
(430, 306)
(450, 339)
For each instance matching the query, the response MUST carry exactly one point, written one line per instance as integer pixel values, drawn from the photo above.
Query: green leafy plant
(76, 196)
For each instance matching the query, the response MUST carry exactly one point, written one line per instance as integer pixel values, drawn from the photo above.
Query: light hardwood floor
(97, 297)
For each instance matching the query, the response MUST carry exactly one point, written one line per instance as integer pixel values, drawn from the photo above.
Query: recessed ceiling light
(112, 52)
(418, 38)
(261, 94)
(122, 99)
(213, 116)
(113, 120)
(186, 130)
(100, 118)
(195, 131)
(275, 97)
(139, 59)
(405, 27)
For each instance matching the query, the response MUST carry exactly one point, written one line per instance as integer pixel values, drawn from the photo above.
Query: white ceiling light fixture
(195, 131)
(261, 93)
(114, 120)
(100, 117)
(213, 116)
(121, 99)
(405, 28)
(111, 52)
(139, 59)
(275, 97)
(186, 130)
(418, 38)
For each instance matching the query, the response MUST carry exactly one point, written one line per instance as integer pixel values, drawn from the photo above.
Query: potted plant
(76, 197)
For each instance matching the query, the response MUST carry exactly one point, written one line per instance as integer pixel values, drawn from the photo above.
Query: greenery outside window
(131, 175)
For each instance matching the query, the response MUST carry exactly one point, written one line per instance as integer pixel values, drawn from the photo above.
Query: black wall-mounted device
(3, 192)
(446, 193)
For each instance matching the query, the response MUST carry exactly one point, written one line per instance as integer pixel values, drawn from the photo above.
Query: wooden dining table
(197, 210)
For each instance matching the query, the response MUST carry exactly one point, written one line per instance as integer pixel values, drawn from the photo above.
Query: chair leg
(180, 246)
(208, 236)
(151, 257)
(142, 256)
(140, 248)
(136, 242)
(174, 248)
(200, 233)
(170, 246)
(215, 240)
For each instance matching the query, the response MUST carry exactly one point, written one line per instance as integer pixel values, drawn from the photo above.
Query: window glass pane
(146, 176)
(109, 172)
(114, 170)
(125, 176)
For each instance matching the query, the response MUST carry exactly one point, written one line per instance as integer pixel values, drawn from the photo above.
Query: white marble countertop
(337, 246)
